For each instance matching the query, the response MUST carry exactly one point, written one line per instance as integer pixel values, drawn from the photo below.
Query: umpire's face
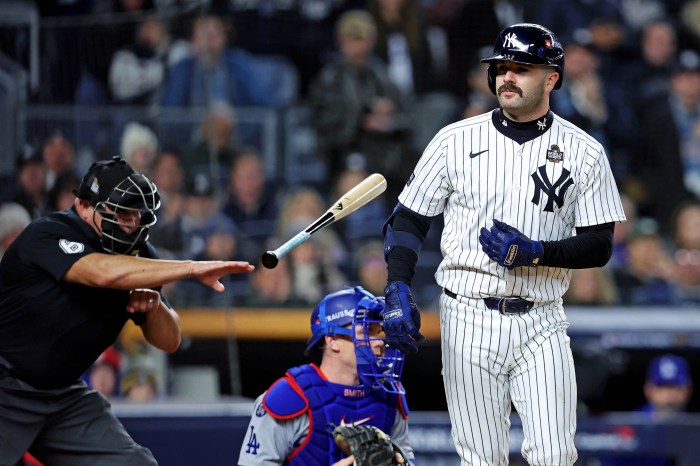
(128, 220)
(523, 90)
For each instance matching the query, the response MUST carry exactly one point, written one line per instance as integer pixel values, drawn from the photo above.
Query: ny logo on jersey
(554, 192)
(510, 40)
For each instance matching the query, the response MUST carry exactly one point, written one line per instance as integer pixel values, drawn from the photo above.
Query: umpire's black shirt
(51, 331)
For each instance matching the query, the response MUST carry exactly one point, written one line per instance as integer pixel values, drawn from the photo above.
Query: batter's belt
(503, 305)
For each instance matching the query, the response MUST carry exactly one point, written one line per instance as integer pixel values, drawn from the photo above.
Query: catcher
(348, 410)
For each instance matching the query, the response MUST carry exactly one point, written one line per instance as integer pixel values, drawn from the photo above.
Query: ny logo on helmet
(543, 184)
(510, 40)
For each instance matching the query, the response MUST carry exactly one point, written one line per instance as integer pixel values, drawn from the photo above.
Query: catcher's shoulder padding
(285, 399)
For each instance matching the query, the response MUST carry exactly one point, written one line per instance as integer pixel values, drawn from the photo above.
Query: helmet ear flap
(491, 77)
(560, 79)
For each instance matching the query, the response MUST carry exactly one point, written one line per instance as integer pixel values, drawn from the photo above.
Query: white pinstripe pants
(490, 361)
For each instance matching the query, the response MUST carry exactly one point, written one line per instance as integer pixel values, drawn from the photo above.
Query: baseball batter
(526, 197)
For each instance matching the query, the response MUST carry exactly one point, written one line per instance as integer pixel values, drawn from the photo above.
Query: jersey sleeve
(269, 441)
(427, 187)
(53, 247)
(599, 201)
(399, 435)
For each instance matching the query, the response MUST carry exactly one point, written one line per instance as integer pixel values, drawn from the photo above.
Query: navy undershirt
(521, 132)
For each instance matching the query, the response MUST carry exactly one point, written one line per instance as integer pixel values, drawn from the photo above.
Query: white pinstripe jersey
(546, 187)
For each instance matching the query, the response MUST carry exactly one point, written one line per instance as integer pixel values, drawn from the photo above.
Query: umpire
(68, 284)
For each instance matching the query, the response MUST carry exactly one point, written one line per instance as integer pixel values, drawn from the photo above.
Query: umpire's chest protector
(326, 403)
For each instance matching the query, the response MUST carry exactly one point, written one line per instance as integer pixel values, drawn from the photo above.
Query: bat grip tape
(292, 243)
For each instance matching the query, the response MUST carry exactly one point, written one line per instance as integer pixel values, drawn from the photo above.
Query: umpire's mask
(125, 199)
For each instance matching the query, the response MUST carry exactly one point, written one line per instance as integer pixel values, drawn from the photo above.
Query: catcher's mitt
(369, 445)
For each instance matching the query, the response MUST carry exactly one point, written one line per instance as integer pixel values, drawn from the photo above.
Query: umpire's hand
(401, 318)
(210, 272)
(143, 300)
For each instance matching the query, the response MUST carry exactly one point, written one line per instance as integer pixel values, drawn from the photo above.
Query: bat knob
(270, 260)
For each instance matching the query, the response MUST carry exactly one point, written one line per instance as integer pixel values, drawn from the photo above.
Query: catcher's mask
(355, 312)
(118, 192)
(529, 44)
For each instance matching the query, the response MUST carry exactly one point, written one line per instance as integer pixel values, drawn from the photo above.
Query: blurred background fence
(218, 430)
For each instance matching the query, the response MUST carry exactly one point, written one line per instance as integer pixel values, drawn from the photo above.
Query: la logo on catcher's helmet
(529, 44)
(355, 312)
(111, 187)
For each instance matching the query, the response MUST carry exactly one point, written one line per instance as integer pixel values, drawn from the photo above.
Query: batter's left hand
(143, 300)
(401, 318)
(509, 247)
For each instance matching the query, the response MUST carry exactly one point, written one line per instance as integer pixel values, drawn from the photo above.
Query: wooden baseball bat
(361, 194)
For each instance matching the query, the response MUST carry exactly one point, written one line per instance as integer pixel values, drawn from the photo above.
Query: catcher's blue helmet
(355, 312)
(529, 44)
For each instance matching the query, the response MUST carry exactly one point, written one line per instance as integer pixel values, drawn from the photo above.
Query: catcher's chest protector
(333, 403)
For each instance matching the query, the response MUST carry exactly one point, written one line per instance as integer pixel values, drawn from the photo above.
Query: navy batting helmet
(355, 312)
(529, 44)
(111, 187)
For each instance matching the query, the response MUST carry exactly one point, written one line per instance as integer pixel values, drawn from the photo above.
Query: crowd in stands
(118, 375)
(380, 77)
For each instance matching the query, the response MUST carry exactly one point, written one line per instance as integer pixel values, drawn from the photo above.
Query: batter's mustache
(510, 88)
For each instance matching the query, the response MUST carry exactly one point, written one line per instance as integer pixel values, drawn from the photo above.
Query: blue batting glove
(509, 247)
(401, 318)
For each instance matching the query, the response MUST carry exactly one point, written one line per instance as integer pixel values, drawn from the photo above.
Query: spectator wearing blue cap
(668, 387)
